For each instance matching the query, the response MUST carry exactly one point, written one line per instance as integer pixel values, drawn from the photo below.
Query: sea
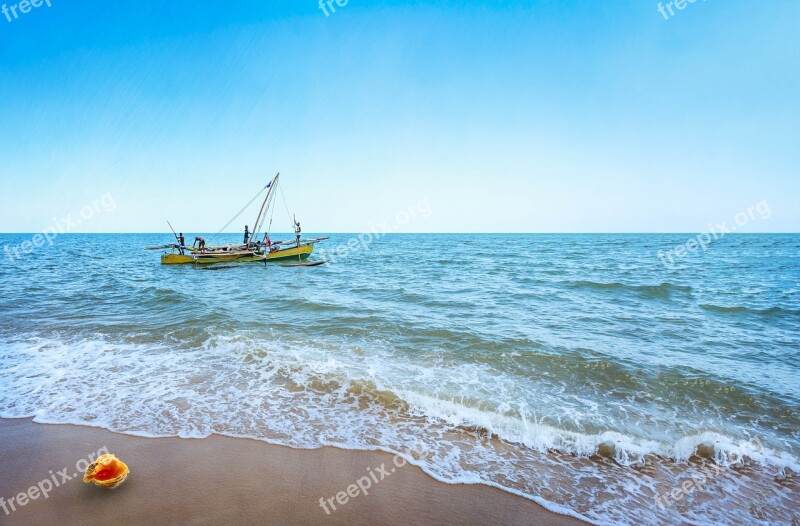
(582, 372)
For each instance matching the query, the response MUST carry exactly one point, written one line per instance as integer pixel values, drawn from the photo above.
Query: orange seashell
(107, 471)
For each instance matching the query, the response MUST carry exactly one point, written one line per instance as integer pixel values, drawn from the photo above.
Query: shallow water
(576, 370)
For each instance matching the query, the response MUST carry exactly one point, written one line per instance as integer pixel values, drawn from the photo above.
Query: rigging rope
(291, 221)
(271, 215)
(267, 204)
(242, 210)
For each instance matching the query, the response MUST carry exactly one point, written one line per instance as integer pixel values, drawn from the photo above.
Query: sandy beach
(222, 480)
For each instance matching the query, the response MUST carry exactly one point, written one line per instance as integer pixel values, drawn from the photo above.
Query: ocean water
(575, 370)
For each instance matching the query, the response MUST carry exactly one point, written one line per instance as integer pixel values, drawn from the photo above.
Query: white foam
(306, 395)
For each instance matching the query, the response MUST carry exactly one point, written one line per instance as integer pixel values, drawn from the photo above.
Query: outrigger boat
(265, 249)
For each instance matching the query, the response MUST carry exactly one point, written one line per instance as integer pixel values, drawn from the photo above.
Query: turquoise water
(576, 370)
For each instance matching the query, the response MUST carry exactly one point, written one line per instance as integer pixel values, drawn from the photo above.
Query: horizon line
(419, 233)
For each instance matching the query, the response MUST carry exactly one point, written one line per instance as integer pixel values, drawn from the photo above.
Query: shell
(107, 471)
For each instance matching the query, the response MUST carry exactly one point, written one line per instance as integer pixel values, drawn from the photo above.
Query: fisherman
(297, 231)
(246, 234)
(202, 244)
(181, 243)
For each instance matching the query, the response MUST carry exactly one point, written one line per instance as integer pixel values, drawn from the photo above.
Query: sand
(223, 480)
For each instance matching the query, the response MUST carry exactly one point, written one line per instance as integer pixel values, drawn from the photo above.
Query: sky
(534, 116)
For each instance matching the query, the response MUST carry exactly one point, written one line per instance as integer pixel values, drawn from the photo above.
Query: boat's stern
(296, 253)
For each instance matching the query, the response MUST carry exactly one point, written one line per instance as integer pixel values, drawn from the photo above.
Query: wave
(313, 305)
(624, 449)
(740, 309)
(662, 290)
(301, 394)
(297, 373)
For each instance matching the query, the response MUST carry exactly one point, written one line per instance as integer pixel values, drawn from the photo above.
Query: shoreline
(222, 479)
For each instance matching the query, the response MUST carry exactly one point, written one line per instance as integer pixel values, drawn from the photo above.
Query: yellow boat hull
(293, 253)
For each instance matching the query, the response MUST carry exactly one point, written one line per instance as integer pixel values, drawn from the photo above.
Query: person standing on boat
(246, 235)
(201, 244)
(297, 232)
(181, 243)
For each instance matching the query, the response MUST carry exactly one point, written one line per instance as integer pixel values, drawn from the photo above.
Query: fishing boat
(294, 251)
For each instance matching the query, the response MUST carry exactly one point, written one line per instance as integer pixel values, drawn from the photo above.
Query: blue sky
(537, 116)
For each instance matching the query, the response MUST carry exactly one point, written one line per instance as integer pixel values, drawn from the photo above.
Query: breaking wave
(300, 395)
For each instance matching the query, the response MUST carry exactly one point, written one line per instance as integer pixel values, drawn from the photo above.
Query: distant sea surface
(575, 370)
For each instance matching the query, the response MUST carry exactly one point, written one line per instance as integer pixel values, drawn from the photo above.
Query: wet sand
(222, 480)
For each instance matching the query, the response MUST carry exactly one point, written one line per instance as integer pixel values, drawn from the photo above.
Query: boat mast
(271, 185)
